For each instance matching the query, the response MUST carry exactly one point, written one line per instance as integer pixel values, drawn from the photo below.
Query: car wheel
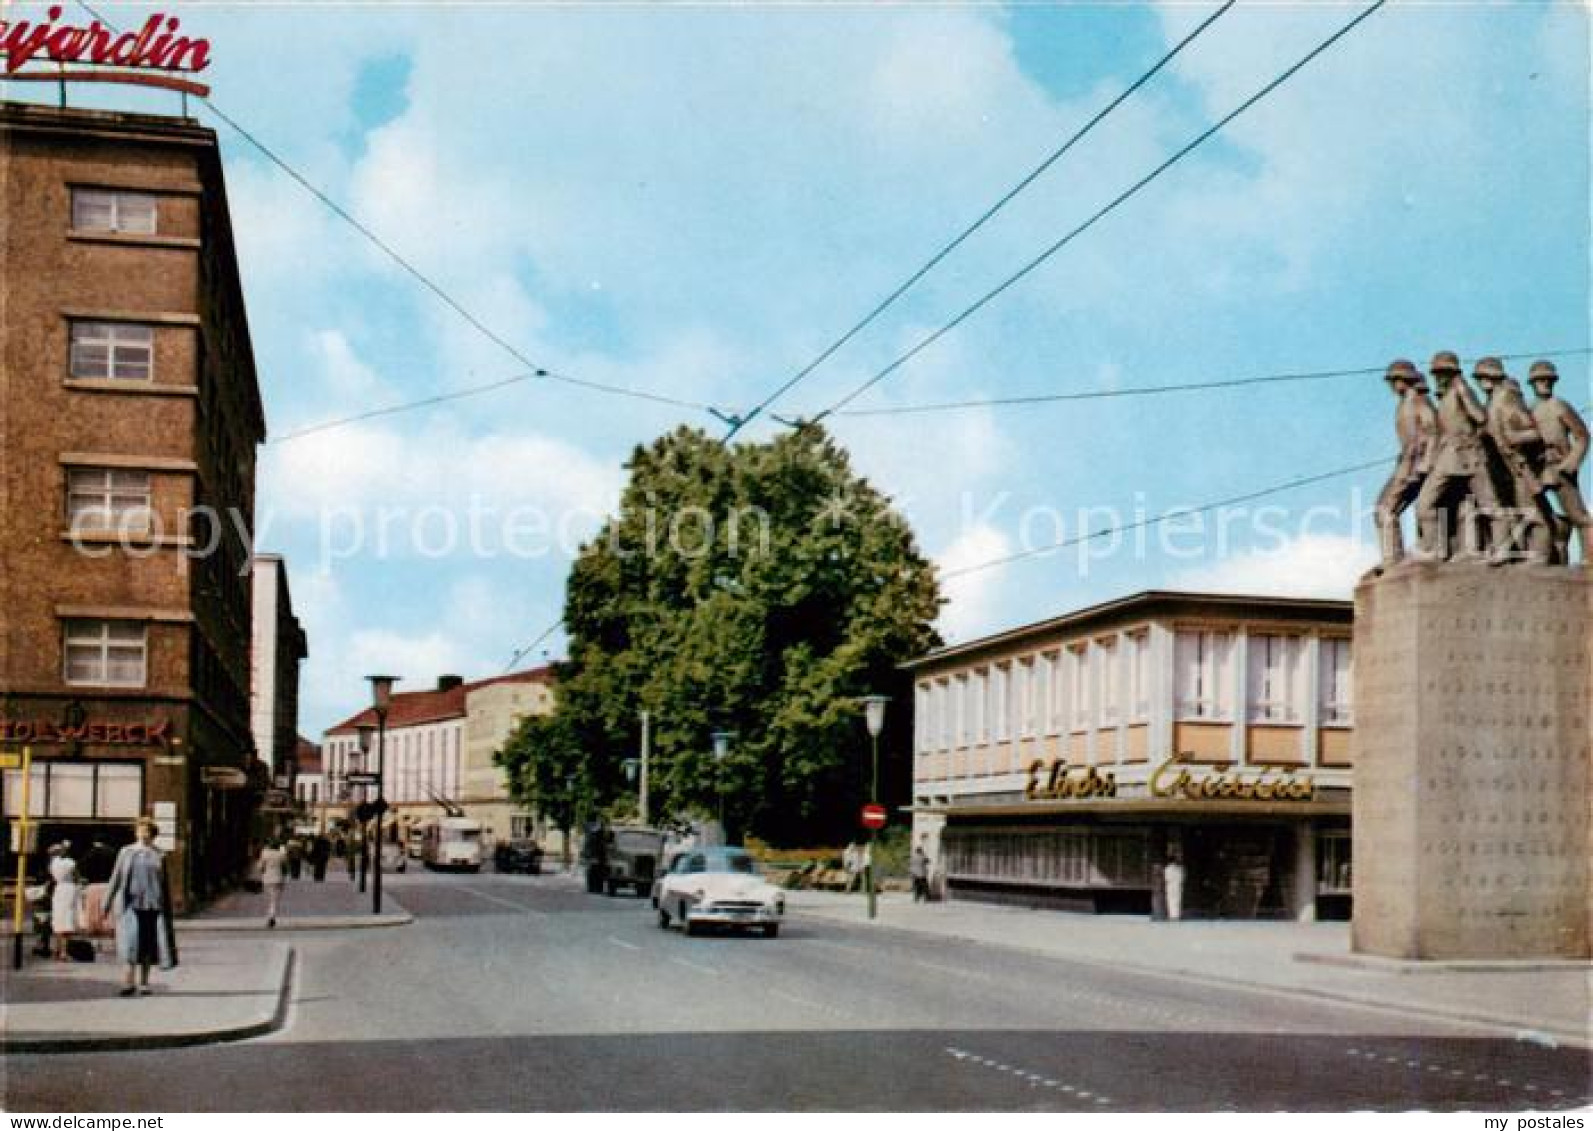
(610, 889)
(663, 919)
(771, 930)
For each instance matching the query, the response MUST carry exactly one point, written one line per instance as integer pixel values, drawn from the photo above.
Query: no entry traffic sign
(873, 816)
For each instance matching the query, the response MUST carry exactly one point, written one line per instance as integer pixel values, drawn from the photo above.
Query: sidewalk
(334, 904)
(233, 980)
(1548, 1001)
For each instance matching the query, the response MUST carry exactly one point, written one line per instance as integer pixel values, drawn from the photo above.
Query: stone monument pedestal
(1473, 815)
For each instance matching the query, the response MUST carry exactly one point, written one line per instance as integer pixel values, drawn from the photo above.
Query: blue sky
(695, 200)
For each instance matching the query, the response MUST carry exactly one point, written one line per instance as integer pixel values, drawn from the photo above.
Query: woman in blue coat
(140, 898)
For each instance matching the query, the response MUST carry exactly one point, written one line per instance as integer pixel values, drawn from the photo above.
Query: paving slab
(334, 904)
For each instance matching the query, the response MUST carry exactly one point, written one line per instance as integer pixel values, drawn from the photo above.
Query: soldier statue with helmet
(1458, 496)
(1525, 527)
(1565, 445)
(1416, 425)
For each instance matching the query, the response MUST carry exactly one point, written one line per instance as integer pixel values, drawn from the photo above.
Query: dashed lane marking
(1035, 1079)
(490, 898)
(690, 965)
(623, 943)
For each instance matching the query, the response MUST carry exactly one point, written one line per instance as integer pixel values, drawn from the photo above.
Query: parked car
(518, 856)
(718, 887)
(624, 857)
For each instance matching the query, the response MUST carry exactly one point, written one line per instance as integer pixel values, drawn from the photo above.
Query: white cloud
(973, 599)
(1311, 565)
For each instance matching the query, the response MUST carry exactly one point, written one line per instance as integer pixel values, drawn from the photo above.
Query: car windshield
(730, 862)
(636, 842)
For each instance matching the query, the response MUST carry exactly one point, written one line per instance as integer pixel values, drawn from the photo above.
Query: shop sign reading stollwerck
(43, 732)
(154, 54)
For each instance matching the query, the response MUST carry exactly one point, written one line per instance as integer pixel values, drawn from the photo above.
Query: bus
(452, 843)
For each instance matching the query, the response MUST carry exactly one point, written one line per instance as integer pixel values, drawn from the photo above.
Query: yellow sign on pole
(25, 762)
(10, 761)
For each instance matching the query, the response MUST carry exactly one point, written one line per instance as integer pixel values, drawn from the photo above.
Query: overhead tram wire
(1169, 516)
(521, 653)
(739, 422)
(535, 371)
(1158, 390)
(968, 312)
(1157, 520)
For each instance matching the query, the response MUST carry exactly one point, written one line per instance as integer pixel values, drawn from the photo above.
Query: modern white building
(1068, 762)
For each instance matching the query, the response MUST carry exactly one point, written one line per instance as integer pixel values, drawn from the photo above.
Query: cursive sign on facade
(1055, 781)
(154, 55)
(1176, 778)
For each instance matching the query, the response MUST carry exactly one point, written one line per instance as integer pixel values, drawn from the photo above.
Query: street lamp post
(721, 751)
(636, 769)
(381, 700)
(365, 731)
(874, 719)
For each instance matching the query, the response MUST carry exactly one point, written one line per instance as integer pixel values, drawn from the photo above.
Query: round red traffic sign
(873, 816)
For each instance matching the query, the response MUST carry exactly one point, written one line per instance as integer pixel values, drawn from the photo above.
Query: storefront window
(1333, 872)
(78, 790)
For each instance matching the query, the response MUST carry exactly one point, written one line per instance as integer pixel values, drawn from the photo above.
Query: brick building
(129, 419)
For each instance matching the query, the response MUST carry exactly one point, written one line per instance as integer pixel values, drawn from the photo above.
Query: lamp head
(721, 744)
(631, 767)
(382, 690)
(874, 713)
(365, 731)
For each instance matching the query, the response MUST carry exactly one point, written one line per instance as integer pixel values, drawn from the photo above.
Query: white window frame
(1106, 665)
(1139, 677)
(108, 498)
(1076, 661)
(1001, 701)
(964, 692)
(126, 212)
(101, 639)
(1210, 700)
(1275, 691)
(1046, 673)
(1336, 688)
(1026, 670)
(128, 349)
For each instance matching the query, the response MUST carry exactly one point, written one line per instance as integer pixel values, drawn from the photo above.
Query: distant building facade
(129, 420)
(279, 646)
(439, 750)
(1068, 762)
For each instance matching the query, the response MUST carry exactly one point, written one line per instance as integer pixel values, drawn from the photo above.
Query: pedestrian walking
(295, 851)
(1173, 887)
(852, 863)
(273, 867)
(66, 904)
(320, 853)
(141, 896)
(918, 868)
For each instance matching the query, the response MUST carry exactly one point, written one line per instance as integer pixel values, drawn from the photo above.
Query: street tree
(759, 589)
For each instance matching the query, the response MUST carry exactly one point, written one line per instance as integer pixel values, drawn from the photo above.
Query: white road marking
(623, 943)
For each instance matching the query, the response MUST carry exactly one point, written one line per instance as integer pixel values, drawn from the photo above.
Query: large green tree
(760, 589)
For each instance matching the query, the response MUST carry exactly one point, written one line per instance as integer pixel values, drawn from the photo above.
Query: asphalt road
(526, 993)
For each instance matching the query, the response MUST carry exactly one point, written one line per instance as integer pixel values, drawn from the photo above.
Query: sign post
(25, 763)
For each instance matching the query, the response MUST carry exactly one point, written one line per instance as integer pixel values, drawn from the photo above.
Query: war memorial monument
(1474, 679)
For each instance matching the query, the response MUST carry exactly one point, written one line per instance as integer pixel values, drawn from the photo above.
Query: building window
(1108, 683)
(1335, 692)
(979, 693)
(104, 791)
(1139, 677)
(105, 653)
(103, 498)
(963, 689)
(123, 351)
(1274, 679)
(923, 720)
(1204, 662)
(108, 210)
(1076, 681)
(1001, 702)
(1334, 864)
(1029, 695)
